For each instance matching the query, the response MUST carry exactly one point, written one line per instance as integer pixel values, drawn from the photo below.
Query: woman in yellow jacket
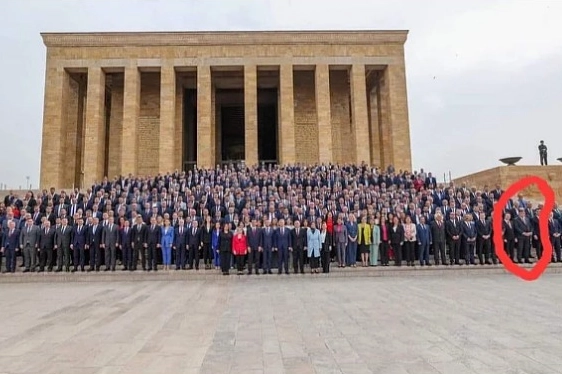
(364, 240)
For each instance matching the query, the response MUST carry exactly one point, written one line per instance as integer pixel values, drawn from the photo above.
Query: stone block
(286, 138)
(205, 155)
(323, 113)
(94, 145)
(167, 147)
(251, 114)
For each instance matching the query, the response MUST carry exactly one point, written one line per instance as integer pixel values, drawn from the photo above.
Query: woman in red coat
(239, 248)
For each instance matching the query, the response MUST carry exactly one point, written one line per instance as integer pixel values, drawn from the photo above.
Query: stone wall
(149, 125)
(306, 124)
(507, 175)
(343, 142)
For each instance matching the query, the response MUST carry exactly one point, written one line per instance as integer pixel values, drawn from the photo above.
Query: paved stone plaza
(433, 324)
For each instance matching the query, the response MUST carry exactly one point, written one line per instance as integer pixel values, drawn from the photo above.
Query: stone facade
(507, 175)
(114, 102)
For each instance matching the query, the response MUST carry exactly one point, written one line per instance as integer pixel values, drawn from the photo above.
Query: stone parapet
(507, 175)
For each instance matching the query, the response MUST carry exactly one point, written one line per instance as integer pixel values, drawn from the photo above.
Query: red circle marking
(497, 218)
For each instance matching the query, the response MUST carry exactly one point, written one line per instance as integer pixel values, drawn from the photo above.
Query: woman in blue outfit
(215, 244)
(313, 242)
(166, 241)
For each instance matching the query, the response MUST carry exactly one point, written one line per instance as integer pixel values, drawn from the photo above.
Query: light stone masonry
(326, 111)
(251, 114)
(94, 147)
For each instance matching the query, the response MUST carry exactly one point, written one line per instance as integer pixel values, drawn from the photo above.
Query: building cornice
(210, 38)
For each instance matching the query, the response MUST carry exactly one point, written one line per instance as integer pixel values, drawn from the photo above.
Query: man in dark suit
(110, 241)
(555, 231)
(94, 244)
(29, 242)
(139, 243)
(153, 242)
(430, 181)
(268, 243)
(298, 239)
(453, 229)
(484, 240)
(46, 246)
(536, 237)
(63, 240)
(180, 244)
(283, 245)
(509, 237)
(523, 232)
(469, 239)
(78, 246)
(425, 238)
(194, 244)
(254, 236)
(10, 245)
(125, 246)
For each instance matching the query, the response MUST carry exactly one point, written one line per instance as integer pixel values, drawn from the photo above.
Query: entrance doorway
(232, 133)
(268, 117)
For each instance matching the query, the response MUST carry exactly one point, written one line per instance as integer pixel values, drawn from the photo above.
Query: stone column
(286, 137)
(396, 145)
(116, 127)
(323, 113)
(251, 115)
(131, 111)
(52, 148)
(205, 139)
(167, 147)
(359, 113)
(372, 102)
(94, 146)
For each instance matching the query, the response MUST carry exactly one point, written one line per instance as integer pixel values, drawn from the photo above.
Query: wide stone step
(214, 275)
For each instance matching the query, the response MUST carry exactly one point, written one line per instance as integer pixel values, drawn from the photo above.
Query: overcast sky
(484, 79)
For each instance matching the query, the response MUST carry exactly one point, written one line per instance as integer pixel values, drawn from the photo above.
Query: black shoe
(287, 273)
(73, 271)
(56, 271)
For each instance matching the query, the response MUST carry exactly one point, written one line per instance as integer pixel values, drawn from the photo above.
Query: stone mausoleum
(149, 103)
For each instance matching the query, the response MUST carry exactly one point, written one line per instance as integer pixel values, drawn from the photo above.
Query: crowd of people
(255, 219)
